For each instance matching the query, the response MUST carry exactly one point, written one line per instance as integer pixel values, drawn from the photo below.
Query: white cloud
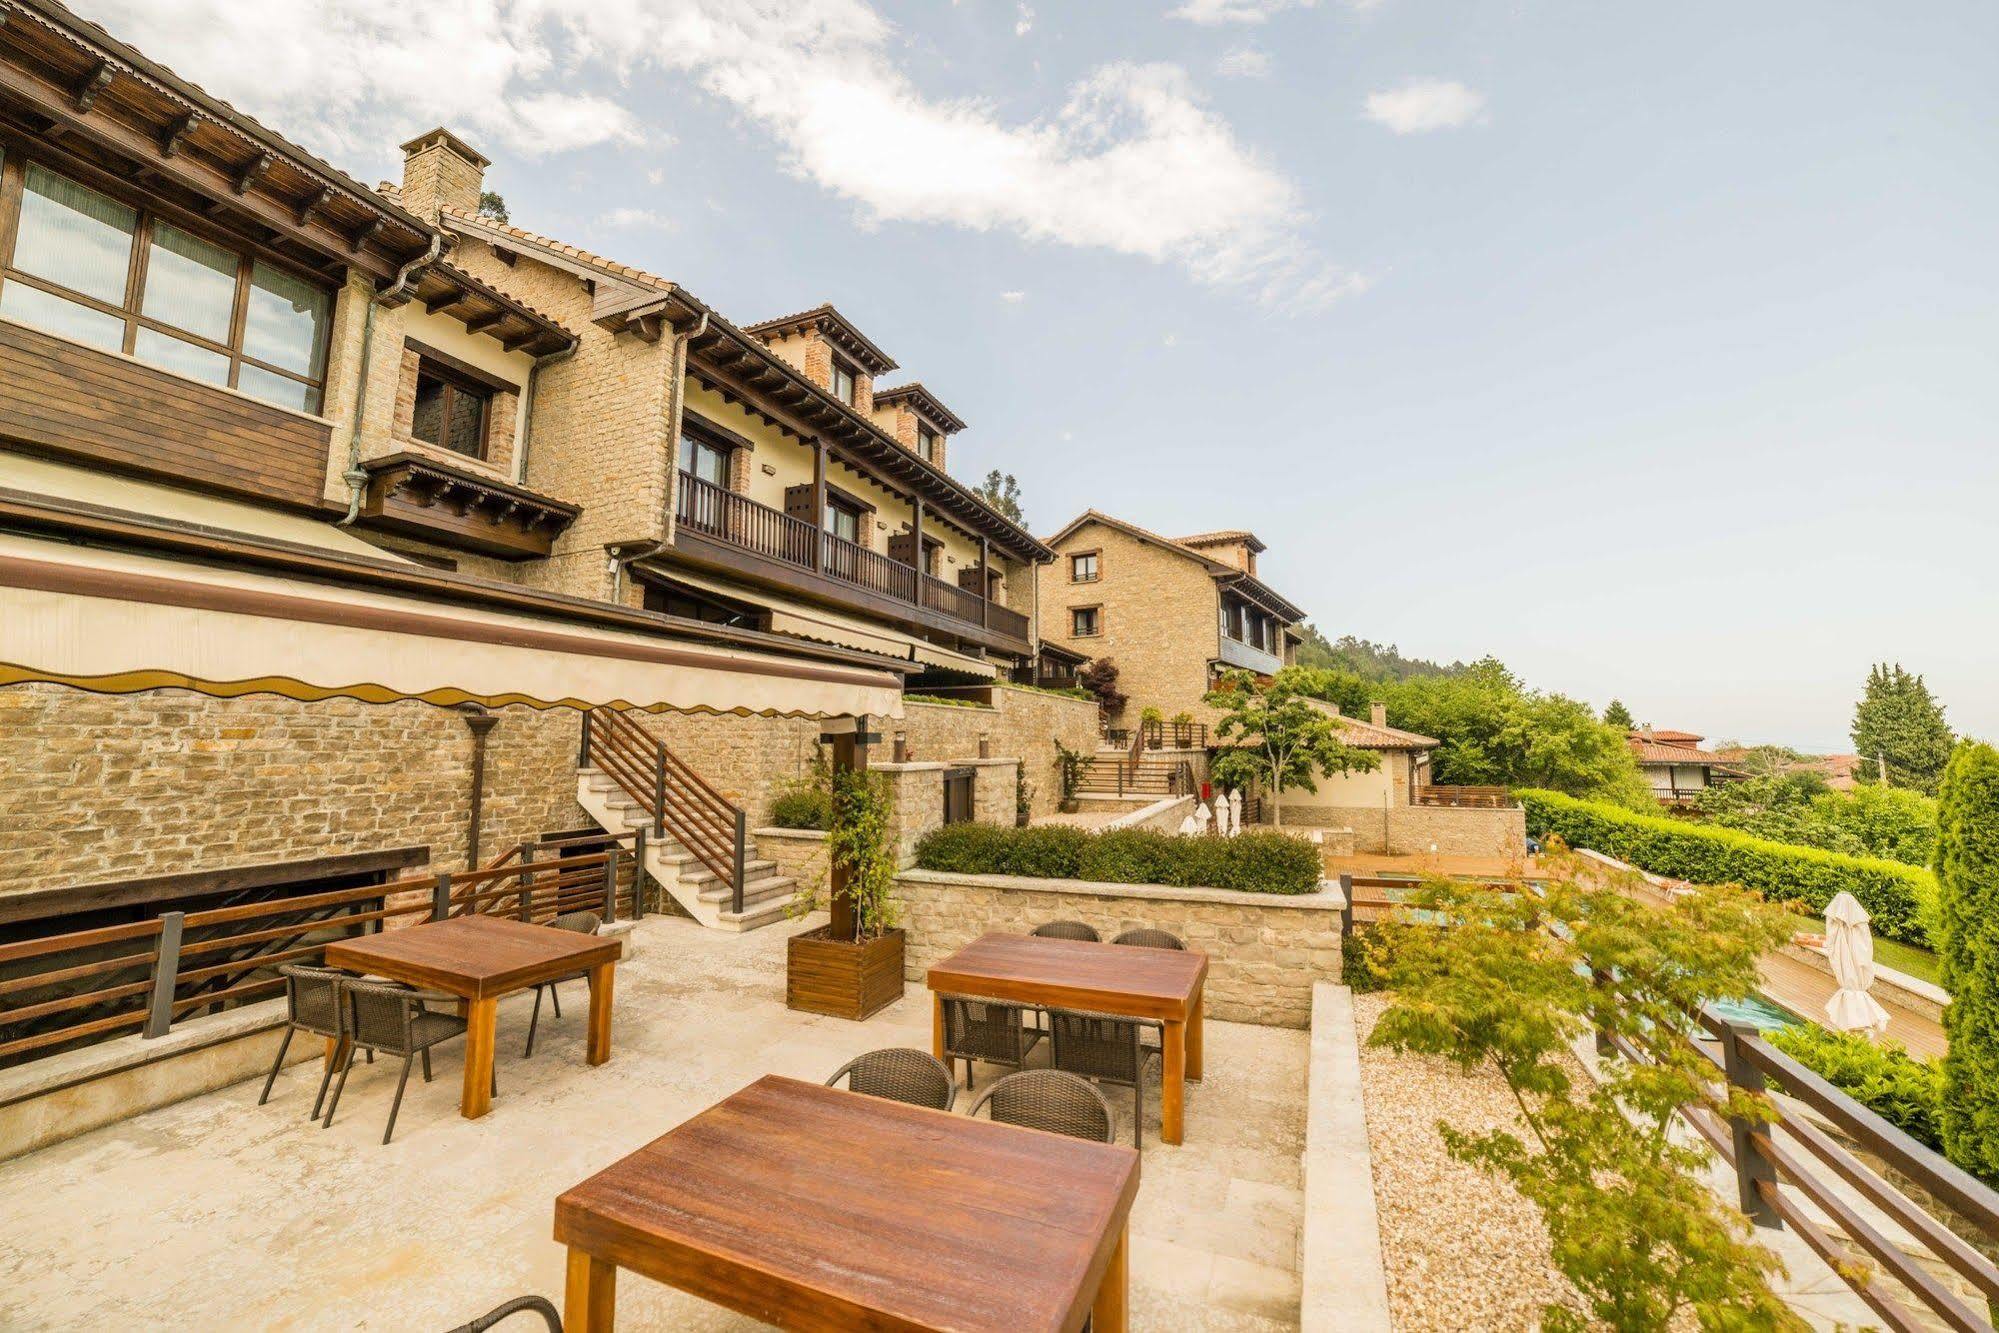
(1422, 105)
(1243, 62)
(656, 175)
(1212, 13)
(634, 217)
(1133, 161)
(1023, 22)
(1013, 298)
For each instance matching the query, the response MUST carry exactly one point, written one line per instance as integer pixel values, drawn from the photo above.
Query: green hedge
(1900, 898)
(1906, 1092)
(1252, 863)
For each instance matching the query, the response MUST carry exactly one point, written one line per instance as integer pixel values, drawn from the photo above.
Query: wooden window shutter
(970, 579)
(798, 503)
(902, 547)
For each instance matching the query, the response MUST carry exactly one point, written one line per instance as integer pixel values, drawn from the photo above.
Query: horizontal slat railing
(1476, 798)
(58, 994)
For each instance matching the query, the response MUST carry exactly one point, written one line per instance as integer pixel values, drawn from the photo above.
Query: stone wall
(1265, 951)
(1022, 724)
(747, 759)
(918, 791)
(1413, 830)
(100, 787)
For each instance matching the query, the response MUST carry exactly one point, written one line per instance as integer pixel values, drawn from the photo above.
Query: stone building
(1171, 613)
(329, 510)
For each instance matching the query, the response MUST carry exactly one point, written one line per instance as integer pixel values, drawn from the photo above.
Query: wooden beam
(368, 232)
(313, 203)
(176, 134)
(480, 323)
(440, 303)
(254, 171)
(85, 94)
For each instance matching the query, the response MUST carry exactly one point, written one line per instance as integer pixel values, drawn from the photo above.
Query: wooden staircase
(1118, 774)
(697, 847)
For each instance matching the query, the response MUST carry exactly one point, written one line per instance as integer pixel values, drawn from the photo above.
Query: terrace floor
(216, 1212)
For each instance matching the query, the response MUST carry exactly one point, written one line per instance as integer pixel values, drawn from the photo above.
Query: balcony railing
(721, 514)
(1236, 653)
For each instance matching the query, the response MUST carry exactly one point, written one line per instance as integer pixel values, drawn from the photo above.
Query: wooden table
(814, 1208)
(479, 959)
(1164, 985)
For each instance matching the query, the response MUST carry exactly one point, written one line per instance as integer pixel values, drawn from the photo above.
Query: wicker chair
(1106, 1049)
(390, 1017)
(1067, 930)
(900, 1074)
(1150, 939)
(986, 1030)
(583, 923)
(1050, 1100)
(312, 1004)
(541, 1305)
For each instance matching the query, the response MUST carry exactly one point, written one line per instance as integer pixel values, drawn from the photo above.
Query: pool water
(1754, 1011)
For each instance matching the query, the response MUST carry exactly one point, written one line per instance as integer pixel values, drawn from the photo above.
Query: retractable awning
(117, 620)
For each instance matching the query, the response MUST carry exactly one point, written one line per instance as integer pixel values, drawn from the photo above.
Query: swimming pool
(1755, 1011)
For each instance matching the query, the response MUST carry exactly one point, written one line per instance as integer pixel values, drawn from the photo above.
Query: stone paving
(219, 1213)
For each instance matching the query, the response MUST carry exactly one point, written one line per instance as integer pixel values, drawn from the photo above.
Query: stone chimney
(1378, 713)
(441, 169)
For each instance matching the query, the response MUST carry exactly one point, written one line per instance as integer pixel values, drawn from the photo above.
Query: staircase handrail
(676, 798)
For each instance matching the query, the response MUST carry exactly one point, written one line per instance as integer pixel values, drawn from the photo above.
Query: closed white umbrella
(1849, 946)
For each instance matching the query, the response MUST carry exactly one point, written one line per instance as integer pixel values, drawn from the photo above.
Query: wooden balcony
(717, 529)
(1249, 657)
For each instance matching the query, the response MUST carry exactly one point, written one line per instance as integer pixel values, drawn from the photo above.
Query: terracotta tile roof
(1221, 538)
(576, 252)
(1366, 736)
(1219, 569)
(1658, 752)
(480, 285)
(1671, 737)
(851, 338)
(923, 401)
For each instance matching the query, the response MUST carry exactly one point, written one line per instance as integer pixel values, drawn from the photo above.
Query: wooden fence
(67, 990)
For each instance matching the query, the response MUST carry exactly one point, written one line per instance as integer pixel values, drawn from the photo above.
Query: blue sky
(1649, 348)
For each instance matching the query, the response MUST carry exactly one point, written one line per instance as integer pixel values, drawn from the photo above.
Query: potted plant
(1151, 720)
(1069, 774)
(1183, 729)
(851, 967)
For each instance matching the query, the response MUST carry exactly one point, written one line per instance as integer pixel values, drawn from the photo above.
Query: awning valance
(119, 621)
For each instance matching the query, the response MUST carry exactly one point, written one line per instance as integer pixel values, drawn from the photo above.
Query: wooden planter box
(842, 978)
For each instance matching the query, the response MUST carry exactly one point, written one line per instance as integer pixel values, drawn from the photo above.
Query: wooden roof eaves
(116, 59)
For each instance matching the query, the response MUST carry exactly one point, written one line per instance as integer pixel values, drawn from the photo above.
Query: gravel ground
(1463, 1250)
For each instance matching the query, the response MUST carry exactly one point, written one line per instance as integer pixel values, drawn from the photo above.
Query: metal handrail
(677, 799)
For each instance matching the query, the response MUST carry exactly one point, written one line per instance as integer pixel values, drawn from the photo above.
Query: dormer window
(926, 443)
(843, 381)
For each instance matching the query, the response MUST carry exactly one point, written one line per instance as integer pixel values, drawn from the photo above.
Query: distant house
(1675, 766)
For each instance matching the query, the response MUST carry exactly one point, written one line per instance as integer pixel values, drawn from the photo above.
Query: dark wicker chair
(987, 1030)
(1107, 1049)
(541, 1305)
(900, 1074)
(1050, 1100)
(583, 923)
(1150, 939)
(312, 1004)
(390, 1017)
(1067, 930)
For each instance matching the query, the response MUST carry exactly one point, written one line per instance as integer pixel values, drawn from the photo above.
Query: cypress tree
(1617, 715)
(1967, 867)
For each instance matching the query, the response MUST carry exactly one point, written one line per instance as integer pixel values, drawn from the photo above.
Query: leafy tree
(1353, 692)
(1797, 806)
(1617, 715)
(1002, 492)
(494, 206)
(1099, 677)
(1360, 657)
(1763, 761)
(1968, 911)
(1897, 718)
(1281, 740)
(1633, 1222)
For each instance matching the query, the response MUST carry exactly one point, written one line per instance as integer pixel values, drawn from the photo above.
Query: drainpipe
(527, 410)
(480, 721)
(356, 479)
(678, 388)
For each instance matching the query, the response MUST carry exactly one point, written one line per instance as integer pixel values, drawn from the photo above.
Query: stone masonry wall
(1264, 951)
(1159, 620)
(1411, 830)
(1023, 724)
(99, 787)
